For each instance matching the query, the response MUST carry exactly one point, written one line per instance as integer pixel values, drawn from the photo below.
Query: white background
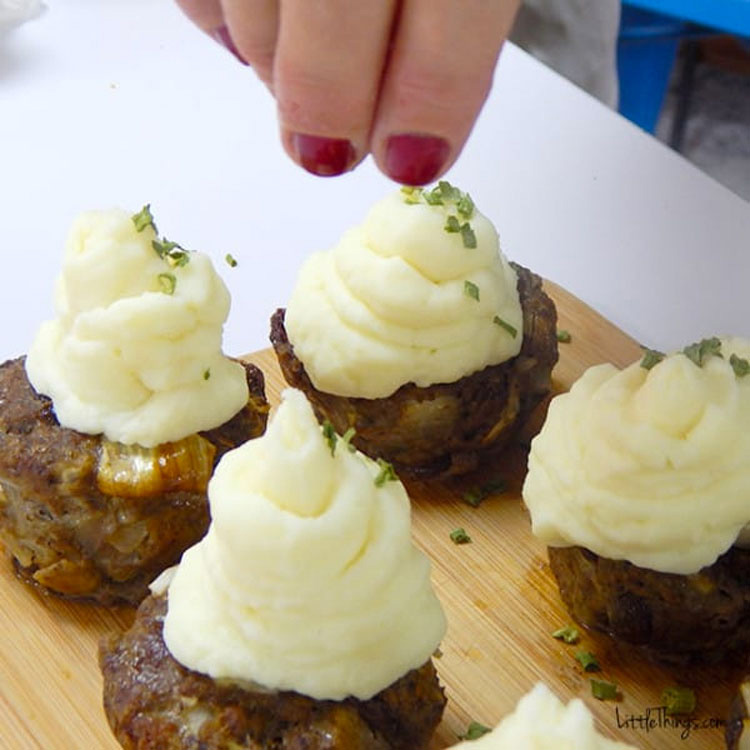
(109, 103)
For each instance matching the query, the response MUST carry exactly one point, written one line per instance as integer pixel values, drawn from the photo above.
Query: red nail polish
(413, 159)
(224, 38)
(325, 157)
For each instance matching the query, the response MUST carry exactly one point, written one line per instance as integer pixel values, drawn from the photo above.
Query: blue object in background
(650, 33)
(646, 52)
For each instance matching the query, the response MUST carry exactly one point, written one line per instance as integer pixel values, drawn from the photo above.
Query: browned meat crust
(445, 428)
(680, 619)
(152, 701)
(69, 519)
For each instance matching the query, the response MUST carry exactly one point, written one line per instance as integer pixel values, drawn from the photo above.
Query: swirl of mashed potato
(542, 722)
(647, 465)
(401, 299)
(307, 579)
(135, 350)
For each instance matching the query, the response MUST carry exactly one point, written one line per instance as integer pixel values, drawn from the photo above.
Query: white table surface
(106, 103)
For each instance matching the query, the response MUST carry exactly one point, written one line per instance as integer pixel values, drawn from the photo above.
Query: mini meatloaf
(445, 428)
(81, 516)
(152, 701)
(680, 619)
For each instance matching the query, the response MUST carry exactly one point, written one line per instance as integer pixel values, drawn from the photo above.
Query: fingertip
(319, 155)
(414, 158)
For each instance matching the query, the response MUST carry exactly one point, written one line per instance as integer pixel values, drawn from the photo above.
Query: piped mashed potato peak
(647, 465)
(307, 579)
(135, 350)
(541, 721)
(410, 295)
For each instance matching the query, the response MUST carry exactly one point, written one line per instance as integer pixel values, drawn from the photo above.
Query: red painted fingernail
(325, 157)
(413, 159)
(224, 38)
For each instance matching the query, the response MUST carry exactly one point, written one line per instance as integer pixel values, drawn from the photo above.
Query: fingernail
(224, 38)
(413, 159)
(325, 157)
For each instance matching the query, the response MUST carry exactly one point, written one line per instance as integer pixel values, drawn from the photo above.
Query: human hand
(403, 80)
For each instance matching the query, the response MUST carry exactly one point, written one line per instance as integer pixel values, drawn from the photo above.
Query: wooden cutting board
(498, 593)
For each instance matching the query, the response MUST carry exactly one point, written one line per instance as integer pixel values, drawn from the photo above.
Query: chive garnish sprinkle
(475, 495)
(678, 700)
(346, 438)
(387, 473)
(474, 731)
(568, 634)
(167, 282)
(740, 365)
(452, 225)
(603, 691)
(459, 536)
(330, 436)
(468, 236)
(471, 290)
(512, 330)
(143, 219)
(700, 351)
(588, 661)
(651, 357)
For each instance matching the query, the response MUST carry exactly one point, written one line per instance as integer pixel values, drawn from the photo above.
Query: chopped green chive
(433, 197)
(475, 495)
(467, 235)
(412, 194)
(651, 357)
(465, 206)
(445, 194)
(230, 259)
(171, 252)
(564, 336)
(471, 290)
(452, 225)
(699, 352)
(163, 247)
(330, 436)
(448, 191)
(603, 691)
(459, 536)
(144, 218)
(167, 282)
(207, 373)
(678, 700)
(387, 473)
(588, 661)
(568, 633)
(740, 365)
(512, 330)
(474, 731)
(347, 439)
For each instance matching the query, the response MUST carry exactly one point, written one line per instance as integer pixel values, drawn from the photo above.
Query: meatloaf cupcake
(416, 332)
(304, 619)
(639, 482)
(542, 722)
(110, 428)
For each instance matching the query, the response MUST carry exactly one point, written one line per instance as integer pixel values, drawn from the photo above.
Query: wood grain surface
(501, 603)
